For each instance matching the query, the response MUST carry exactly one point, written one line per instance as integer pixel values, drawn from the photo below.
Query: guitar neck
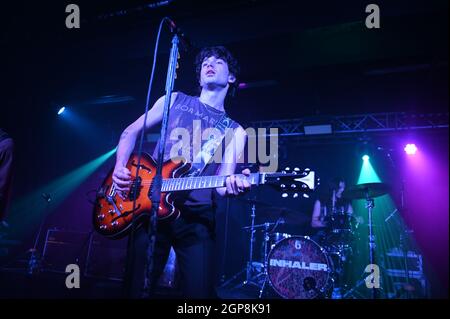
(203, 182)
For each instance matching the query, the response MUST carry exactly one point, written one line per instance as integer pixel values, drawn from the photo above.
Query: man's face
(215, 73)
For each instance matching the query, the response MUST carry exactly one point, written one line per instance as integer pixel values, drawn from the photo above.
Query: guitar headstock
(293, 181)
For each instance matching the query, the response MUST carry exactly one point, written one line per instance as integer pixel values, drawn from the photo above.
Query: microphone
(184, 40)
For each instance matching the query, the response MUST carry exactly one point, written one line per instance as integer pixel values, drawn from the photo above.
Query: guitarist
(192, 235)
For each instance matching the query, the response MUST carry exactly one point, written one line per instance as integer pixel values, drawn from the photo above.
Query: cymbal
(288, 216)
(361, 191)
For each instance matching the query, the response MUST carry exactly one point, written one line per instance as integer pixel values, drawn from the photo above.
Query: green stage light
(29, 210)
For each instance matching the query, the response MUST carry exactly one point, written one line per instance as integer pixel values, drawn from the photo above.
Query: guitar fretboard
(202, 182)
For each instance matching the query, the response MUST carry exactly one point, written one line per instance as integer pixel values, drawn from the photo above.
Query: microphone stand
(370, 204)
(154, 193)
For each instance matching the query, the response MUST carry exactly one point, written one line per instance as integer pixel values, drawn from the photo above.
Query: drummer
(330, 204)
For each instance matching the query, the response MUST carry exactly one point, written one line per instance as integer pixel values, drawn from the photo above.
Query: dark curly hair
(333, 184)
(219, 52)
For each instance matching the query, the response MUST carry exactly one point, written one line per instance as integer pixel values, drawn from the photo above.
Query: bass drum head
(298, 268)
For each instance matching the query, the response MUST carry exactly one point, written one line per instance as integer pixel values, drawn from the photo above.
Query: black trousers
(192, 236)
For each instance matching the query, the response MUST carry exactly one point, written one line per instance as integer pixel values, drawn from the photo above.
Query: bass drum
(298, 268)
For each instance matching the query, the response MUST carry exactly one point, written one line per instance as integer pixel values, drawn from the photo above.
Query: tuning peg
(282, 186)
(284, 195)
(295, 195)
(293, 186)
(178, 56)
(305, 195)
(287, 168)
(304, 186)
(297, 169)
(307, 169)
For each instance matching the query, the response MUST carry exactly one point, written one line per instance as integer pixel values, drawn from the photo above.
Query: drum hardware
(271, 238)
(286, 215)
(362, 191)
(316, 270)
(267, 228)
(312, 277)
(358, 284)
(253, 270)
(298, 268)
(252, 242)
(368, 191)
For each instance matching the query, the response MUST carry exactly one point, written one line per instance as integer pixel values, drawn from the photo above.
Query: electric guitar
(112, 215)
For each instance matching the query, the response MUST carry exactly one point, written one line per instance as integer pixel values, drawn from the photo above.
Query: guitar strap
(211, 146)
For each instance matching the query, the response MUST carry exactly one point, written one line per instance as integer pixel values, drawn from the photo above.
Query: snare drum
(342, 228)
(341, 222)
(298, 268)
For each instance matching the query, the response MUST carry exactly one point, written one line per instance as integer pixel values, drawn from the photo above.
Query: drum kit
(306, 267)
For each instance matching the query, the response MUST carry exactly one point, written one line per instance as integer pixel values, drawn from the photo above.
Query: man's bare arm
(235, 149)
(122, 175)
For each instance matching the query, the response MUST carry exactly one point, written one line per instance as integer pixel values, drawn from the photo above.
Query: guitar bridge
(113, 204)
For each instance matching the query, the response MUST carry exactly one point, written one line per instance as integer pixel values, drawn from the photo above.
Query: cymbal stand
(252, 242)
(249, 266)
(266, 255)
(370, 204)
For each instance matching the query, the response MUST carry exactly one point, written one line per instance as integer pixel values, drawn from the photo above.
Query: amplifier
(106, 258)
(97, 256)
(63, 247)
(396, 261)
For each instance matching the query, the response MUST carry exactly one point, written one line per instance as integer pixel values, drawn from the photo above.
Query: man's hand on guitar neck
(236, 185)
